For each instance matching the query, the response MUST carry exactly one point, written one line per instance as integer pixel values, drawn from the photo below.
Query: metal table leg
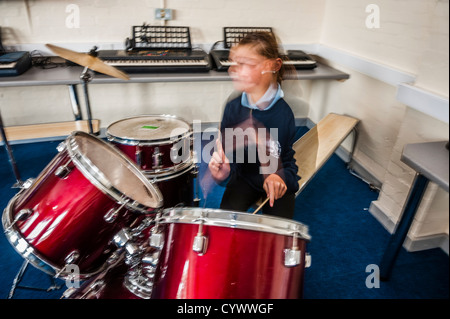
(12, 161)
(398, 237)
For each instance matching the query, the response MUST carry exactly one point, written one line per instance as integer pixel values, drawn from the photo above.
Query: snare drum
(203, 253)
(156, 143)
(72, 210)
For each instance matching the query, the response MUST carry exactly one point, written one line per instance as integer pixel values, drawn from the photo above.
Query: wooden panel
(314, 148)
(25, 132)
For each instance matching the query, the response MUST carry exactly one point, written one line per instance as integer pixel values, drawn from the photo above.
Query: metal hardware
(61, 147)
(292, 257)
(307, 260)
(151, 259)
(200, 244)
(156, 240)
(72, 257)
(138, 155)
(63, 170)
(27, 184)
(157, 158)
(21, 216)
(121, 238)
(112, 214)
(200, 241)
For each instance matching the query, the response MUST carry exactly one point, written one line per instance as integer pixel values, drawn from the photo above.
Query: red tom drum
(71, 211)
(156, 143)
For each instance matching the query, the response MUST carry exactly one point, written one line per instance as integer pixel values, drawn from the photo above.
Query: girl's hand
(274, 187)
(219, 166)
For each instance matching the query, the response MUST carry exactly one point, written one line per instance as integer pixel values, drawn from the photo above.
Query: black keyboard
(299, 59)
(164, 60)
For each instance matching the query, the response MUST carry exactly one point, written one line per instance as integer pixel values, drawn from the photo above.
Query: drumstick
(260, 206)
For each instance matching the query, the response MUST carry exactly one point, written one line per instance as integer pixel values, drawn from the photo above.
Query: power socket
(163, 14)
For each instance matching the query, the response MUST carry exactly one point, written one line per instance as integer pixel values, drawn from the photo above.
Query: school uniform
(272, 115)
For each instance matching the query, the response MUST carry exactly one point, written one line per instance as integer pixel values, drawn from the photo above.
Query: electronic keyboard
(297, 58)
(164, 60)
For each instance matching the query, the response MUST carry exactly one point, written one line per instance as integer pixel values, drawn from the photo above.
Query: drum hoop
(91, 172)
(169, 173)
(28, 252)
(239, 220)
(155, 142)
(136, 142)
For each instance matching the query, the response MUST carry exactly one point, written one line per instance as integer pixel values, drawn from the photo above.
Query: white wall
(412, 40)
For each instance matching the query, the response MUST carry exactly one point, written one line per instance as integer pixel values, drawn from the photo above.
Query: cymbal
(88, 61)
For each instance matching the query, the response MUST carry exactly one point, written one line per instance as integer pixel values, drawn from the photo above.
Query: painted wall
(413, 38)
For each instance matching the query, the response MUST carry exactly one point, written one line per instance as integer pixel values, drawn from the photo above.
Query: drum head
(112, 172)
(149, 128)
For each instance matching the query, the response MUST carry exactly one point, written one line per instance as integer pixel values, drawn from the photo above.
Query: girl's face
(247, 69)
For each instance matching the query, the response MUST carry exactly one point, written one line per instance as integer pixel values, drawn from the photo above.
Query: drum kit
(122, 215)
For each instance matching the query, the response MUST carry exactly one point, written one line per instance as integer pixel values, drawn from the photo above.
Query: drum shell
(68, 215)
(177, 188)
(146, 155)
(238, 264)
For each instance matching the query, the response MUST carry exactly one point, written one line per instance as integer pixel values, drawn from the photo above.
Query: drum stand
(18, 279)
(86, 77)
(12, 161)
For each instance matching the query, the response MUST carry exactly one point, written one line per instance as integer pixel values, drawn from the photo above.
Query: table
(430, 160)
(70, 76)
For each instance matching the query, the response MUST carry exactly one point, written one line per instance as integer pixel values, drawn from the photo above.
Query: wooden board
(25, 132)
(314, 148)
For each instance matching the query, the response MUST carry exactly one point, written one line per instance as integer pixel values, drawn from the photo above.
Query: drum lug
(61, 147)
(64, 170)
(22, 215)
(138, 155)
(157, 158)
(200, 241)
(307, 260)
(292, 257)
(112, 214)
(156, 240)
(200, 244)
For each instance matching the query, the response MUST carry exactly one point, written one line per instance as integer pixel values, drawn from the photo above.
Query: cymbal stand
(86, 77)
(12, 161)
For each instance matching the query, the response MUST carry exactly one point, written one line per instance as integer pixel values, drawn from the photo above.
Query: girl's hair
(266, 45)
